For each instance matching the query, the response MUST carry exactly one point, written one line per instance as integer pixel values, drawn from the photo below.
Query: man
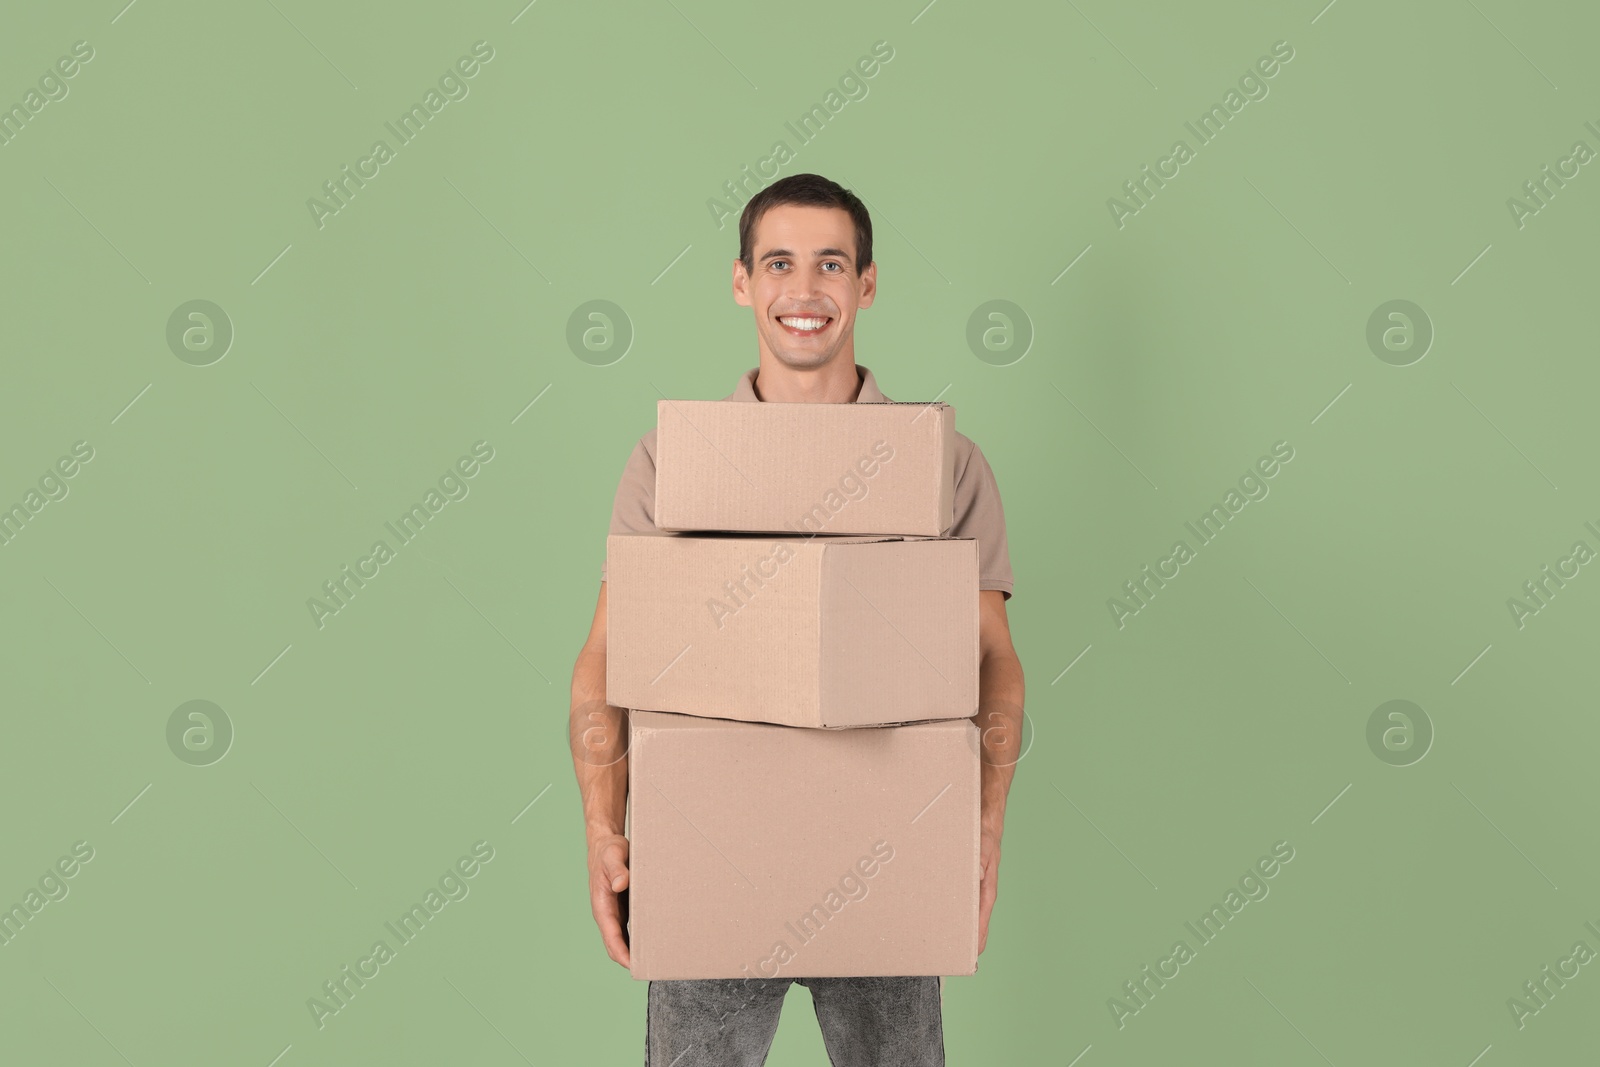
(805, 267)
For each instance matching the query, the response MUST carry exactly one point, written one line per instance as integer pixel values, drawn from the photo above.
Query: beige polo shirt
(978, 513)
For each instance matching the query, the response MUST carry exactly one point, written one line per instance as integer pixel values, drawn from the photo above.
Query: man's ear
(869, 285)
(741, 284)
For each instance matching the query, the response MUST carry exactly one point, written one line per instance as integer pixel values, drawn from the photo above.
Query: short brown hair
(812, 190)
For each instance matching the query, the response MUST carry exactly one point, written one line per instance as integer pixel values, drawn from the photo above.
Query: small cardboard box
(758, 850)
(825, 631)
(838, 469)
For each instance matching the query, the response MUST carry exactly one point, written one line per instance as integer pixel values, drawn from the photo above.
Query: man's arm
(999, 717)
(599, 739)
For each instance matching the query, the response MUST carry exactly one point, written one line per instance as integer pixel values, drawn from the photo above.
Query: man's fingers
(608, 876)
(611, 935)
(988, 890)
(608, 917)
(614, 862)
(617, 872)
(616, 947)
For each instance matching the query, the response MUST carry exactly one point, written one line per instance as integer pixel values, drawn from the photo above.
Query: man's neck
(837, 382)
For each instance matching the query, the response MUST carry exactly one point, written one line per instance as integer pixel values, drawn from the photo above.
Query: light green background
(1227, 315)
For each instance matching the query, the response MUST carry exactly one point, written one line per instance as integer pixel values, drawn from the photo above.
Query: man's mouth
(804, 325)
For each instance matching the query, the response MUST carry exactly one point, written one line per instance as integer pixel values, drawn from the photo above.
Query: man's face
(803, 268)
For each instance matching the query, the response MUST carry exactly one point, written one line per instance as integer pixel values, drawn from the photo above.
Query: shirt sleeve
(979, 514)
(634, 509)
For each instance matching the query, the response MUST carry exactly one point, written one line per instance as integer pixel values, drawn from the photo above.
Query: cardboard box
(826, 631)
(759, 850)
(837, 469)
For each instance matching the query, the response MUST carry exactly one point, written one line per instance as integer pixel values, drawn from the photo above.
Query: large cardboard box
(758, 850)
(825, 631)
(863, 468)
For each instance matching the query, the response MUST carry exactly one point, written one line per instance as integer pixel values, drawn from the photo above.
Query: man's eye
(777, 263)
(831, 263)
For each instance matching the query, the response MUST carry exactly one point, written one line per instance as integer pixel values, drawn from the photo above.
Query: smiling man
(805, 268)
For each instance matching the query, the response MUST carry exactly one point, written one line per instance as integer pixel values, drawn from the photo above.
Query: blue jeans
(730, 1022)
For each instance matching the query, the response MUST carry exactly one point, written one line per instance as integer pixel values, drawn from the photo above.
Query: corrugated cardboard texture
(821, 632)
(750, 843)
(804, 468)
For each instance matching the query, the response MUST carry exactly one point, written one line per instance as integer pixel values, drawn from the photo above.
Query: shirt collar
(870, 393)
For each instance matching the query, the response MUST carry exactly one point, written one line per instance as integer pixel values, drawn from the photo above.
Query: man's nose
(802, 289)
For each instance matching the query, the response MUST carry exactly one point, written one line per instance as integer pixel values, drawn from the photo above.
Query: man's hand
(608, 876)
(988, 883)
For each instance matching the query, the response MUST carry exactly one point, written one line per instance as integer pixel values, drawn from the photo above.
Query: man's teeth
(803, 324)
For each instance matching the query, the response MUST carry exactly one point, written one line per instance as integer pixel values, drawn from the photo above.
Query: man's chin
(802, 359)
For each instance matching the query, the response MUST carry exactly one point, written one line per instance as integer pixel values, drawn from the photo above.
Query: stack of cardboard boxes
(799, 653)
